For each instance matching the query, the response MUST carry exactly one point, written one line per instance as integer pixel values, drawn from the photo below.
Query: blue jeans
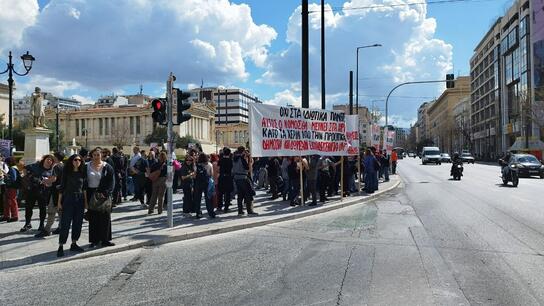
(72, 213)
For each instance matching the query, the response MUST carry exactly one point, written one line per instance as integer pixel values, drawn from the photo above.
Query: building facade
(441, 121)
(462, 138)
(423, 121)
(485, 72)
(505, 76)
(129, 125)
(4, 103)
(232, 115)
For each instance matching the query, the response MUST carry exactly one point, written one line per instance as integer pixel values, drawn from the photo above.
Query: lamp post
(27, 62)
(357, 75)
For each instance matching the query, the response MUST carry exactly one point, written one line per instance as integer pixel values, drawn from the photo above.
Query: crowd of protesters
(88, 185)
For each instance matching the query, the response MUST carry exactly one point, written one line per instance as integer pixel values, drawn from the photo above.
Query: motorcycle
(457, 171)
(510, 174)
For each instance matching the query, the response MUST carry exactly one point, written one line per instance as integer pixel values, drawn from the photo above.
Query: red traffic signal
(159, 111)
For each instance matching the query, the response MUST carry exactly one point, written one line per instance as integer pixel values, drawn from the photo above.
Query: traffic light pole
(407, 83)
(170, 133)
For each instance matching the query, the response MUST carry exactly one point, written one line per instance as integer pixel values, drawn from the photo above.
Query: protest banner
(375, 136)
(5, 147)
(389, 140)
(292, 131)
(352, 135)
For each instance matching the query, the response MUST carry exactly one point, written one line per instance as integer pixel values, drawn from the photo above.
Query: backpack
(202, 178)
(15, 184)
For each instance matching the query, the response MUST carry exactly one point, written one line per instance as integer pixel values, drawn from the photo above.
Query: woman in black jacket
(39, 182)
(100, 179)
(72, 201)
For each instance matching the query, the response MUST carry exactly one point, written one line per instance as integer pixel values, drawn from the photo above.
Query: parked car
(445, 158)
(467, 158)
(528, 165)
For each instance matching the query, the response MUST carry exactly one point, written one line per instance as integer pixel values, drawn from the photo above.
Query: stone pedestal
(36, 144)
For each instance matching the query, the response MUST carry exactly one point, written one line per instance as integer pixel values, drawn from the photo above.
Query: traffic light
(450, 83)
(182, 105)
(159, 111)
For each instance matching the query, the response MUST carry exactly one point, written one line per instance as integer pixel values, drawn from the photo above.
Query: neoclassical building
(128, 125)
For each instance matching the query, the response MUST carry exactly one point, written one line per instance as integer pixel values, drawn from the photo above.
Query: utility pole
(305, 86)
(170, 130)
(323, 104)
(57, 123)
(351, 92)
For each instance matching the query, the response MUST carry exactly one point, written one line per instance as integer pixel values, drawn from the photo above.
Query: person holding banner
(324, 177)
(312, 178)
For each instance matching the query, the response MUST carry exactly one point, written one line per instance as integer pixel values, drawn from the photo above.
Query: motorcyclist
(456, 160)
(504, 162)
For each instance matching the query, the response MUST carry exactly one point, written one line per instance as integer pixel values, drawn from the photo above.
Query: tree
(120, 135)
(159, 136)
(183, 142)
(424, 143)
(53, 139)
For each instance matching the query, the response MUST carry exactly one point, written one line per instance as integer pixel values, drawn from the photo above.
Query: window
(512, 38)
(77, 127)
(515, 64)
(107, 126)
(523, 54)
(508, 68)
(523, 27)
(100, 127)
(504, 45)
(112, 124)
(131, 125)
(83, 123)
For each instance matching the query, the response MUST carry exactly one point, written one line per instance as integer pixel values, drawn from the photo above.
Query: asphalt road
(431, 242)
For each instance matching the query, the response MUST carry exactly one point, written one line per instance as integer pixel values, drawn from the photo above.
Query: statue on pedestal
(36, 109)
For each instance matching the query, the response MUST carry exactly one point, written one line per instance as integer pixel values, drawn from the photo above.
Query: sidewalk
(133, 228)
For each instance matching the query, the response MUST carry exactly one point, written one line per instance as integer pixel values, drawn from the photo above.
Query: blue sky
(89, 48)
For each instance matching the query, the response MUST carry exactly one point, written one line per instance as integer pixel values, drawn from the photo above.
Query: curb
(203, 232)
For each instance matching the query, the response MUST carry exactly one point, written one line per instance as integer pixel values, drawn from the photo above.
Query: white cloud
(46, 84)
(410, 52)
(84, 100)
(107, 44)
(15, 17)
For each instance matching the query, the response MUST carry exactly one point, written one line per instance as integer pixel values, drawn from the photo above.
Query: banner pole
(301, 181)
(342, 179)
(359, 170)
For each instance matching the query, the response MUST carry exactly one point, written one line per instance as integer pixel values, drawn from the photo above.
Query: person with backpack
(13, 183)
(204, 172)
(225, 184)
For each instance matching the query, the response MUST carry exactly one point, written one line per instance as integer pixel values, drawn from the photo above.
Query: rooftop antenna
(141, 89)
(201, 83)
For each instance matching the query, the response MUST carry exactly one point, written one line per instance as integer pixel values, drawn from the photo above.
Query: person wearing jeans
(72, 201)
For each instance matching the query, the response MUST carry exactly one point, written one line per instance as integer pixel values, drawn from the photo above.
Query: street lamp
(357, 76)
(27, 62)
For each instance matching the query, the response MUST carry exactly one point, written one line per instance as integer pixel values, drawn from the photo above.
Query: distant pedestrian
(72, 202)
(394, 159)
(242, 162)
(187, 175)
